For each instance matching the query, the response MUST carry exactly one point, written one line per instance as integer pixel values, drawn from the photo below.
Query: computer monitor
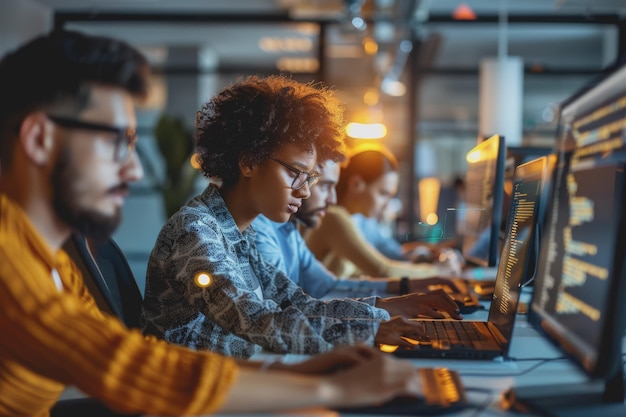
(579, 299)
(516, 264)
(484, 191)
(545, 196)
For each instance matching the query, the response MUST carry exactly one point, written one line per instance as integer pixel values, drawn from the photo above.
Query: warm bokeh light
(473, 156)
(371, 97)
(290, 44)
(463, 12)
(301, 65)
(432, 219)
(428, 198)
(388, 348)
(195, 161)
(366, 130)
(203, 279)
(370, 46)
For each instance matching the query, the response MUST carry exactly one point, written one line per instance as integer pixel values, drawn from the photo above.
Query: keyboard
(443, 393)
(446, 334)
(465, 298)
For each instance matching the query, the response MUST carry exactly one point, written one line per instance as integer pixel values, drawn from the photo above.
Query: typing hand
(435, 304)
(397, 330)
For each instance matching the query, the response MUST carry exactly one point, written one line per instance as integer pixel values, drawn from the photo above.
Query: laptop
(491, 338)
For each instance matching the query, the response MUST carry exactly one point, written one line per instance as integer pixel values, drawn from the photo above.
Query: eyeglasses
(302, 177)
(125, 138)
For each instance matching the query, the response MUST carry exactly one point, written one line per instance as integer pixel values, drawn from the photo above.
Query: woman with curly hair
(207, 287)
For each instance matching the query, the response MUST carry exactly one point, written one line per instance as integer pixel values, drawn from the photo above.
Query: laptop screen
(521, 224)
(484, 194)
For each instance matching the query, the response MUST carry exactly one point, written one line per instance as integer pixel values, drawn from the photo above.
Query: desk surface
(533, 361)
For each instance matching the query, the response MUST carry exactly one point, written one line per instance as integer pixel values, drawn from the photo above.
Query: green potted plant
(175, 143)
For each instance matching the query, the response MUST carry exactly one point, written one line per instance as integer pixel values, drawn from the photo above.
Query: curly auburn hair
(254, 117)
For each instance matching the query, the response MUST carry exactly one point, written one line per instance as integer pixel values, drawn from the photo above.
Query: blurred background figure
(351, 240)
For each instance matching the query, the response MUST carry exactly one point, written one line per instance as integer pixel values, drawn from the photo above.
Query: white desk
(495, 376)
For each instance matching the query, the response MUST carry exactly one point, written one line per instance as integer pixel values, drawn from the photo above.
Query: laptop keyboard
(446, 334)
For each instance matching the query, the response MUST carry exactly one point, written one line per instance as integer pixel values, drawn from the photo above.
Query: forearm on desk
(255, 391)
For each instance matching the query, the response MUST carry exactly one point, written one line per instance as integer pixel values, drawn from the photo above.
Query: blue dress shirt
(282, 245)
(371, 231)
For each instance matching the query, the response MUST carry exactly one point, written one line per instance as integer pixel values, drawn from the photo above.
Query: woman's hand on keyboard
(397, 330)
(435, 304)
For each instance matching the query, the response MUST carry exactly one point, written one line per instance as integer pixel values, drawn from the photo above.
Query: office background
(421, 68)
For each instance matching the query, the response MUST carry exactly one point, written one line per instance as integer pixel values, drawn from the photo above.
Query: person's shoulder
(337, 213)
(261, 221)
(337, 210)
(337, 220)
(262, 224)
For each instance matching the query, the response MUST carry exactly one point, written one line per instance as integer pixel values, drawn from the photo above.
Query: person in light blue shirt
(282, 245)
(372, 232)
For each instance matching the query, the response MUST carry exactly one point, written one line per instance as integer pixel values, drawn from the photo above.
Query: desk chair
(111, 282)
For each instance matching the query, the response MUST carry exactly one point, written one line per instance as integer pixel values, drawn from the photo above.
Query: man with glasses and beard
(283, 245)
(67, 137)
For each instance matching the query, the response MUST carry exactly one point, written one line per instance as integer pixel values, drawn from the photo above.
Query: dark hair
(370, 164)
(254, 117)
(58, 69)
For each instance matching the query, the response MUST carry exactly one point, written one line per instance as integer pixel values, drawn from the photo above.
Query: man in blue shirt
(282, 245)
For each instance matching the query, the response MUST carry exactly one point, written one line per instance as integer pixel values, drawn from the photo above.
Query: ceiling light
(298, 65)
(366, 130)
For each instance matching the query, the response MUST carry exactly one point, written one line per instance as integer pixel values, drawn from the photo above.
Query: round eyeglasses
(301, 177)
(125, 138)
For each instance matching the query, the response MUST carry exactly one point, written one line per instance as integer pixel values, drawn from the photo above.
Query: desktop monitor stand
(594, 398)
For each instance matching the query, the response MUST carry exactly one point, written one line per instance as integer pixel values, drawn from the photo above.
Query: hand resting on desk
(341, 358)
(363, 376)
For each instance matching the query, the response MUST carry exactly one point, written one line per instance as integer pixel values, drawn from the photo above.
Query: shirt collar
(216, 204)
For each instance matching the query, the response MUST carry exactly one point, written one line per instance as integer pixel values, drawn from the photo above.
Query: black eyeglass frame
(125, 138)
(311, 177)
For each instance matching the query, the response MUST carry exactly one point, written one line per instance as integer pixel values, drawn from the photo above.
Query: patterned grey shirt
(227, 315)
